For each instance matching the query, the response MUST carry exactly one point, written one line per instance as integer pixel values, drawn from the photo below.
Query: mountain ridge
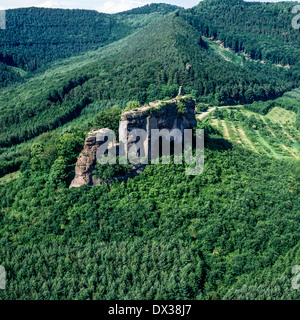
(53, 34)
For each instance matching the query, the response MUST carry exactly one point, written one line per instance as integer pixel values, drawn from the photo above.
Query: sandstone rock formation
(188, 67)
(177, 113)
(87, 160)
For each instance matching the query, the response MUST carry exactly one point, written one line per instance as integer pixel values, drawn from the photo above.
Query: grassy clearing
(280, 115)
(225, 130)
(283, 135)
(230, 131)
(285, 140)
(237, 138)
(20, 71)
(238, 58)
(214, 123)
(233, 133)
(225, 53)
(281, 145)
(245, 139)
(274, 139)
(267, 146)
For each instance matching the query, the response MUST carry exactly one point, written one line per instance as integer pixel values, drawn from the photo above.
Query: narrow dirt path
(225, 130)
(223, 56)
(204, 114)
(289, 136)
(237, 137)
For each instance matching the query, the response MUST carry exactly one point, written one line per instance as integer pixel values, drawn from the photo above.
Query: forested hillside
(161, 235)
(229, 233)
(263, 30)
(35, 36)
(135, 68)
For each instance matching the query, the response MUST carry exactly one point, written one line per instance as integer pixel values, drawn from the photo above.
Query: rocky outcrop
(177, 113)
(188, 67)
(87, 160)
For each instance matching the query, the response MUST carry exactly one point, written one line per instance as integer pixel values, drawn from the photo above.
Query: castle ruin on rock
(177, 113)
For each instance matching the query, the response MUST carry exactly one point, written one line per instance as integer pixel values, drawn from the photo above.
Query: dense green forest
(263, 30)
(229, 233)
(191, 237)
(36, 36)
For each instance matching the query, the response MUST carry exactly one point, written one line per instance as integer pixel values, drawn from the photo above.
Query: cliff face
(178, 113)
(87, 160)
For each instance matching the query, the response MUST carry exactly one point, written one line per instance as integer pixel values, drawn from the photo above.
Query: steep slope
(35, 36)
(262, 30)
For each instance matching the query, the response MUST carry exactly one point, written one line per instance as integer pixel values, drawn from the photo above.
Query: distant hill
(263, 30)
(152, 8)
(35, 36)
